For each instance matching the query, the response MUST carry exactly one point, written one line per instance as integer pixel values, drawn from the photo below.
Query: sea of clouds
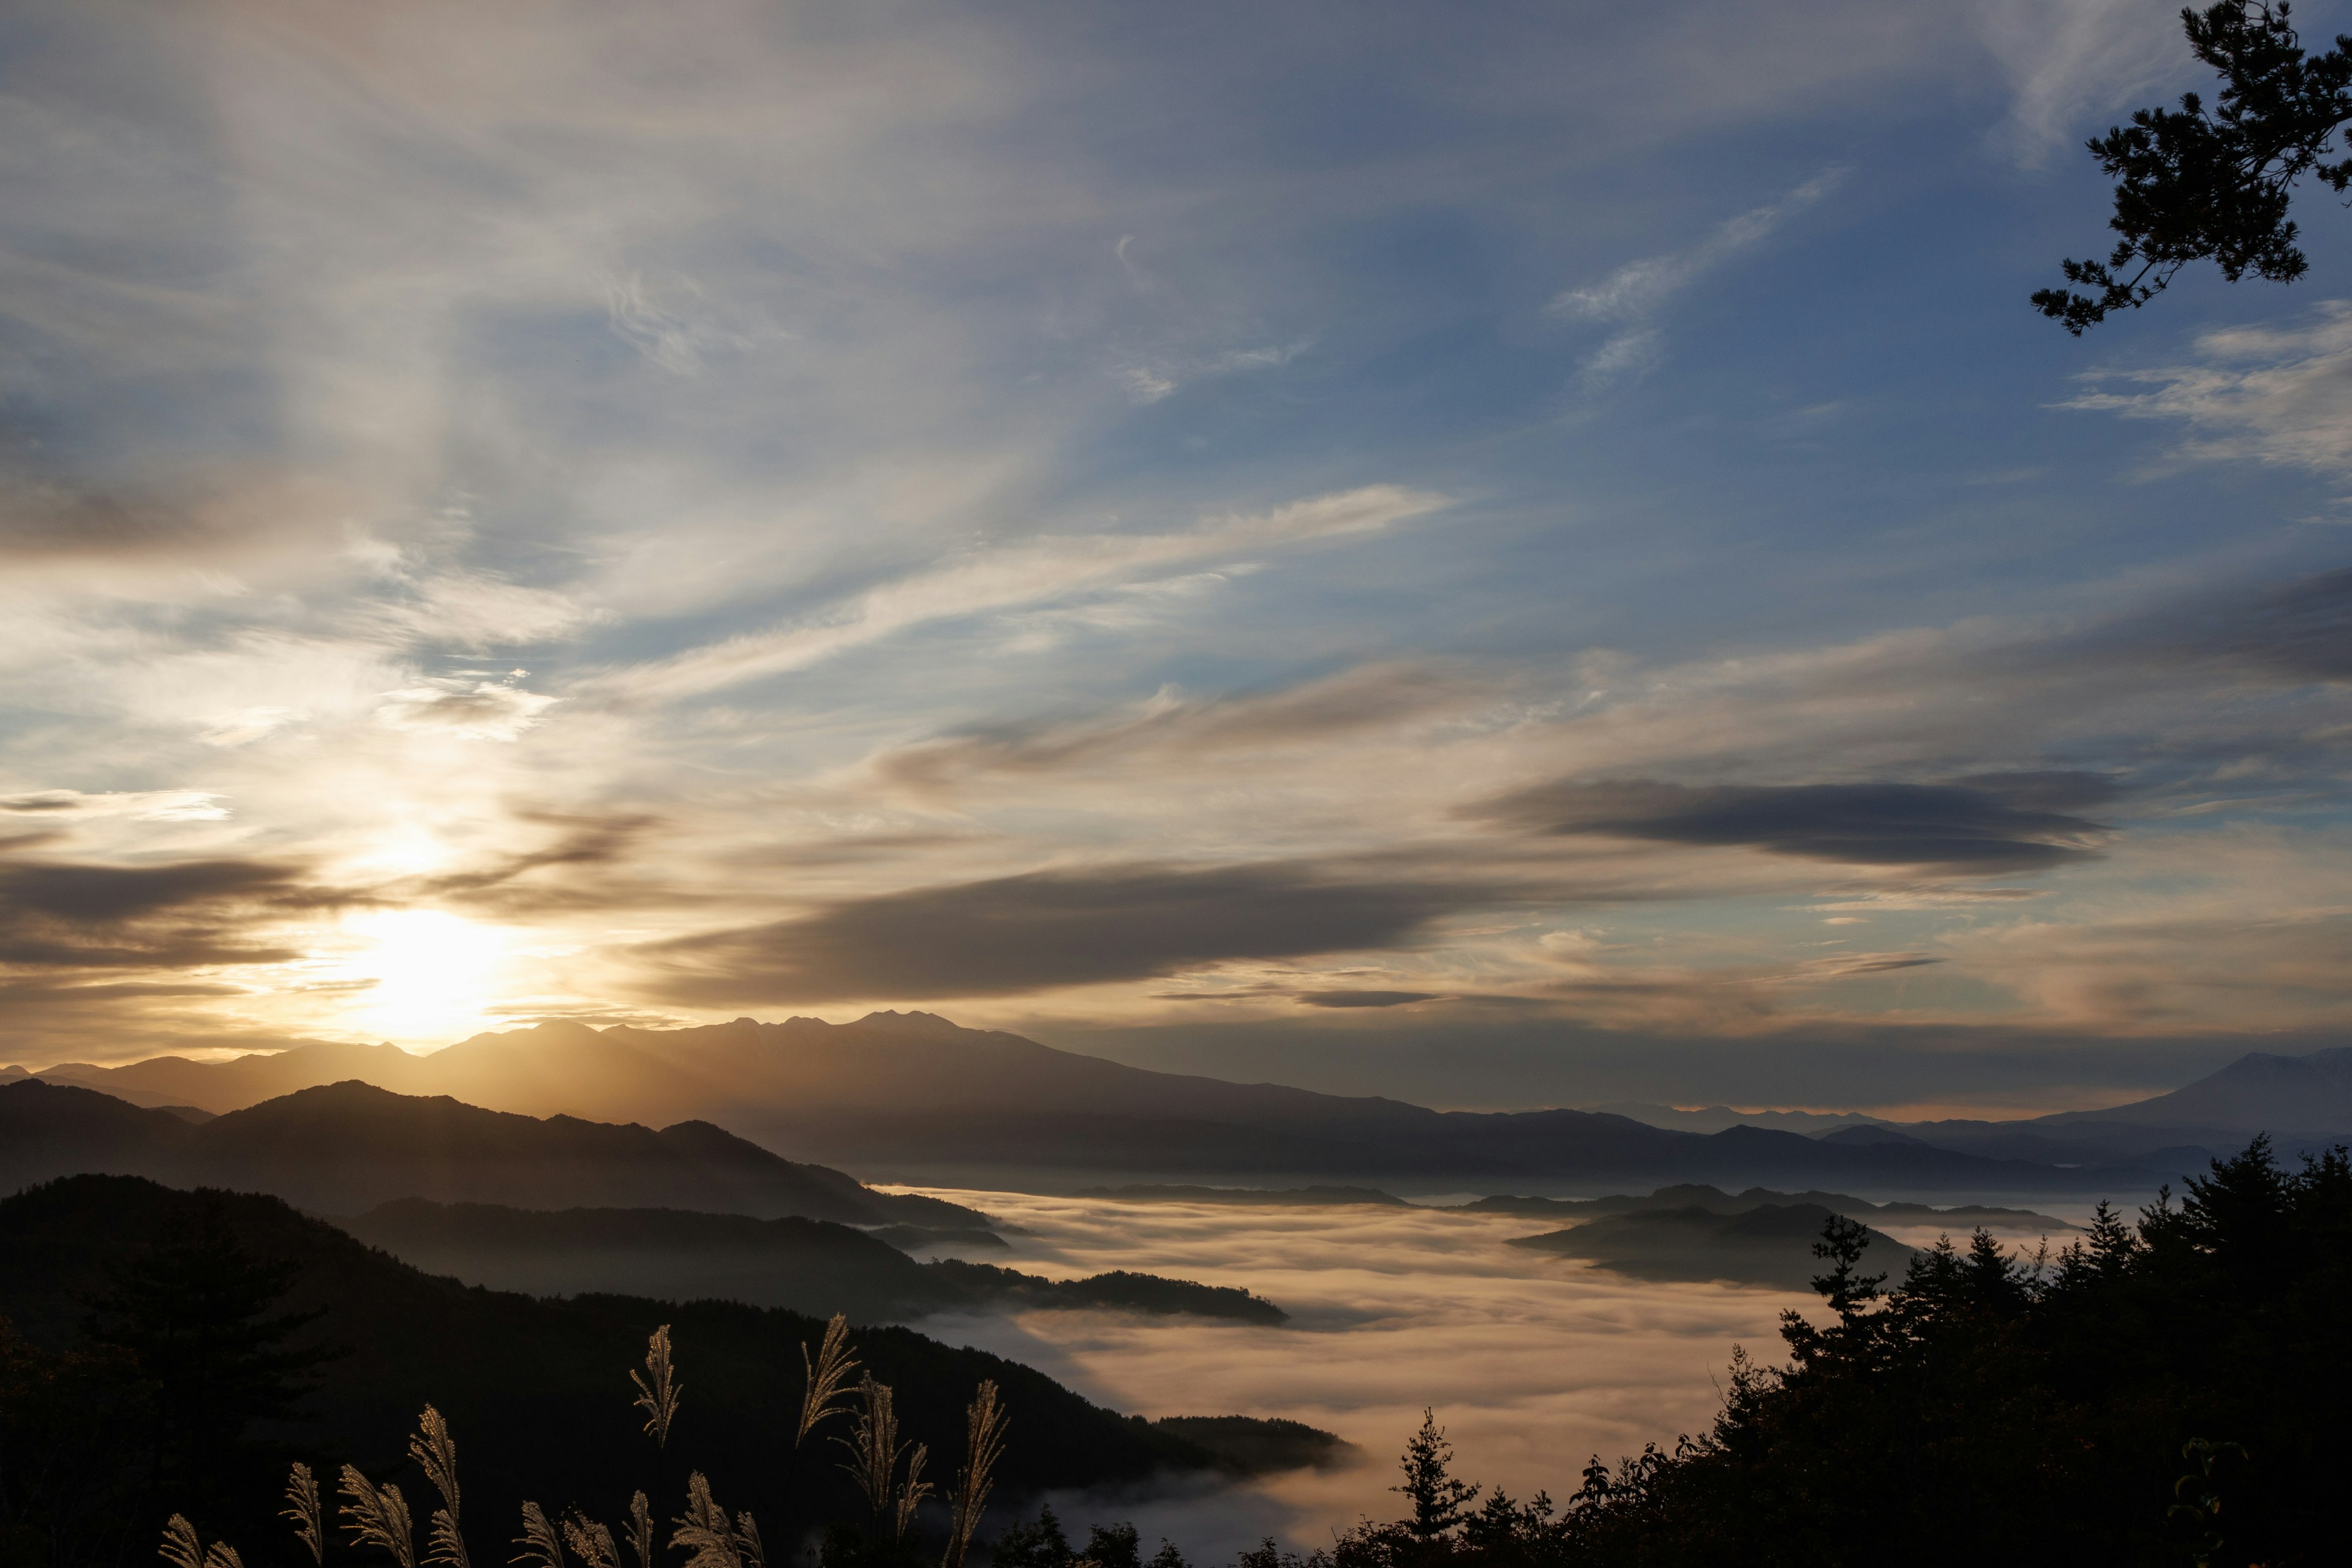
(1532, 1363)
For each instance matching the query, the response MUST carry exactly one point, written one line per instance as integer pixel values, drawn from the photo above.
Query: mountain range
(346, 1147)
(912, 1098)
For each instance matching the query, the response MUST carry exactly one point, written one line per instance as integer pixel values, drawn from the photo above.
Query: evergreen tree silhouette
(1438, 1499)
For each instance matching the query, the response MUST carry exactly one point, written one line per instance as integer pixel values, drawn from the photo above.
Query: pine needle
(656, 1390)
(302, 1508)
(378, 1516)
(984, 1424)
(825, 1397)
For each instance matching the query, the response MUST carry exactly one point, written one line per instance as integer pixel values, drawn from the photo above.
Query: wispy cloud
(2276, 394)
(1630, 298)
(478, 710)
(1007, 577)
(2072, 61)
(143, 805)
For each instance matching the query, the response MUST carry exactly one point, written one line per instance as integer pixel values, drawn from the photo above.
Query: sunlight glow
(435, 974)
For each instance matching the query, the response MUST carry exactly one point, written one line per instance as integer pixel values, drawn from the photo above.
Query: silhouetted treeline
(2166, 1392)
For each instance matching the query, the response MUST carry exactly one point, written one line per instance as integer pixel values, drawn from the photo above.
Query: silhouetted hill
(1252, 1444)
(347, 1147)
(2257, 1093)
(1771, 1243)
(916, 1097)
(536, 1392)
(1715, 1200)
(1120, 1291)
(809, 1265)
(1247, 1197)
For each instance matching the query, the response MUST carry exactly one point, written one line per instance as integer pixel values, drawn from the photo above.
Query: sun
(434, 973)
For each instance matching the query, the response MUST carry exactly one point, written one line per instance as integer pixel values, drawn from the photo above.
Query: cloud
(1010, 935)
(1991, 826)
(1845, 965)
(1361, 998)
(2073, 61)
(2297, 631)
(2272, 395)
(1169, 723)
(591, 851)
(480, 710)
(140, 805)
(1630, 296)
(1151, 381)
(1008, 576)
(190, 914)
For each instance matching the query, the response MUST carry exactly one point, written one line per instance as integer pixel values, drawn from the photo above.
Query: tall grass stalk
(984, 1424)
(658, 1389)
(378, 1516)
(302, 1508)
(824, 1395)
(590, 1542)
(641, 1530)
(875, 1451)
(713, 1541)
(182, 1548)
(436, 1453)
(540, 1542)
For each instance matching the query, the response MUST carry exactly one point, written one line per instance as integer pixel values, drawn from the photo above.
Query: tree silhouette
(2196, 184)
(195, 1315)
(1438, 1499)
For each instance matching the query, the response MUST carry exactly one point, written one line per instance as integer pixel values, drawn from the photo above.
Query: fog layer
(1533, 1364)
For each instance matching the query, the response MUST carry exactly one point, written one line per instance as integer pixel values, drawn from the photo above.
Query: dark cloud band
(1015, 935)
(1990, 824)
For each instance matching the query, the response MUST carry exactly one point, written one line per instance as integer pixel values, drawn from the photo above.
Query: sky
(1517, 555)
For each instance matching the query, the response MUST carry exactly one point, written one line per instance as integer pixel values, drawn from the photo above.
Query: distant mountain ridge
(343, 1148)
(2259, 1093)
(918, 1099)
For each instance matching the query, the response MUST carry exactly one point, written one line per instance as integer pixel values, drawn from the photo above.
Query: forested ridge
(2165, 1392)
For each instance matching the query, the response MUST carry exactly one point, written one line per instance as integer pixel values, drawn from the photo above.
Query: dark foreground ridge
(98, 1442)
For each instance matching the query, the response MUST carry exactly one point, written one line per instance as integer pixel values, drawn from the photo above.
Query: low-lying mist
(1533, 1364)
